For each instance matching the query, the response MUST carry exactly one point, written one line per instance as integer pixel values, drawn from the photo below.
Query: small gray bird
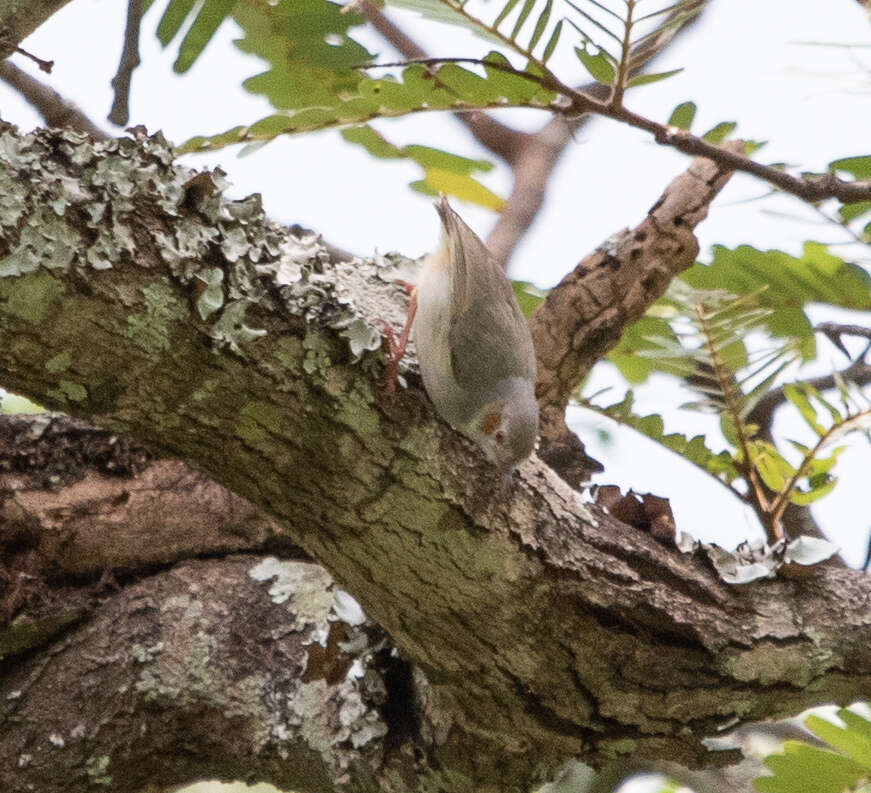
(474, 345)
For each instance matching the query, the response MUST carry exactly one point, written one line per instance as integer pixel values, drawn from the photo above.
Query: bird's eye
(500, 437)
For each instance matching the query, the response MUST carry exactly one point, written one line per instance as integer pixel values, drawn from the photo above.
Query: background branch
(584, 315)
(531, 156)
(120, 112)
(57, 111)
(19, 19)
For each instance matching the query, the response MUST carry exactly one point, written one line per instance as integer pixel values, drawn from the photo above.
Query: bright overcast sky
(747, 61)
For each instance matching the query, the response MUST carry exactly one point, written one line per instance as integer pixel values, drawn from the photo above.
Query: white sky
(744, 62)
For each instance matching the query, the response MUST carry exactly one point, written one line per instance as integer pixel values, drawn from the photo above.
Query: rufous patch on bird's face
(490, 422)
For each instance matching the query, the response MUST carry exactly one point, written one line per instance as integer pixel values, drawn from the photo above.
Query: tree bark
(533, 627)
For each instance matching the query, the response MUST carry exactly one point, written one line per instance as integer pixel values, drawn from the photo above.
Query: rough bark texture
(539, 629)
(585, 314)
(19, 18)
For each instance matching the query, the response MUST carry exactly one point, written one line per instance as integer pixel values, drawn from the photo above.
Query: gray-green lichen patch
(230, 329)
(151, 329)
(212, 297)
(305, 587)
(69, 391)
(30, 297)
(335, 718)
(317, 354)
(91, 206)
(59, 363)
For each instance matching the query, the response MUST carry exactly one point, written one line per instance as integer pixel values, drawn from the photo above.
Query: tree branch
(57, 111)
(156, 308)
(812, 188)
(762, 414)
(120, 112)
(499, 138)
(172, 661)
(19, 18)
(585, 314)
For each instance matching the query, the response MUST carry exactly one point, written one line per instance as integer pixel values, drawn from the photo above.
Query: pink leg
(397, 347)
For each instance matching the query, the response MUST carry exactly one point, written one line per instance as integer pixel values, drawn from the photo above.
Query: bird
(473, 345)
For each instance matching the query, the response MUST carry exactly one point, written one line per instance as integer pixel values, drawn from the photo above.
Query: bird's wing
(489, 342)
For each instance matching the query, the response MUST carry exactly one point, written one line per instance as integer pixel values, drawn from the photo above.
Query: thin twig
(835, 328)
(57, 111)
(543, 150)
(763, 411)
(44, 66)
(813, 188)
(782, 498)
(120, 112)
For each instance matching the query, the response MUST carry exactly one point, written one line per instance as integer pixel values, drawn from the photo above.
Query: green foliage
(443, 172)
(318, 76)
(801, 768)
(682, 116)
(719, 464)
(700, 335)
(528, 295)
(719, 132)
(600, 65)
(789, 285)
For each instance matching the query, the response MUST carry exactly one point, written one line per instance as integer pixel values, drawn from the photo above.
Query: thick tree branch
(57, 111)
(19, 18)
(132, 294)
(250, 677)
(585, 314)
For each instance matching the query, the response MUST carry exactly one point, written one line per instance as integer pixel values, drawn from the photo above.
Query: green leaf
(506, 10)
(850, 212)
(855, 722)
(788, 285)
(521, 19)
(528, 295)
(798, 397)
(644, 334)
(208, 20)
(552, 42)
(770, 464)
(718, 464)
(443, 172)
(720, 132)
(858, 167)
(644, 79)
(173, 18)
(540, 25)
(599, 66)
(421, 88)
(373, 142)
(806, 768)
(463, 187)
(822, 488)
(682, 116)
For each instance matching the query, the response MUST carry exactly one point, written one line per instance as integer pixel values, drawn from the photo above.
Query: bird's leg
(397, 346)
